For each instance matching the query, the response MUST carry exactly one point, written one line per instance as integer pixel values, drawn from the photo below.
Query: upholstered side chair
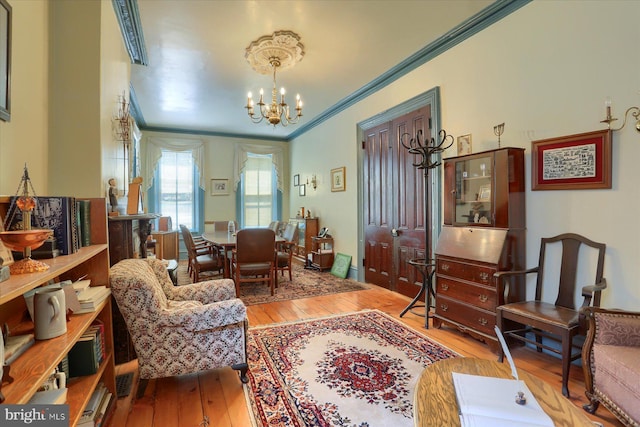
(178, 330)
(611, 363)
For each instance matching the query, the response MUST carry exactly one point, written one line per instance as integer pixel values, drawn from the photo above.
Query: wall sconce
(635, 112)
(313, 182)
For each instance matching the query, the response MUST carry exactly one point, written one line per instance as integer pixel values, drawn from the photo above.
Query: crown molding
(128, 17)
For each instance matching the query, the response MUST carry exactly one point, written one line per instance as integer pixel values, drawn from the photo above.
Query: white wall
(545, 71)
(24, 139)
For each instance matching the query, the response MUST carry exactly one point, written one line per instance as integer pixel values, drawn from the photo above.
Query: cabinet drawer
(478, 296)
(471, 272)
(472, 317)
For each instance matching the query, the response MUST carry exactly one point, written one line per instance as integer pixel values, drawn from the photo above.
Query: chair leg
(272, 281)
(566, 362)
(243, 368)
(142, 386)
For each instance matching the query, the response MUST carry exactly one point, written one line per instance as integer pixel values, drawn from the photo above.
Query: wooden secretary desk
(484, 232)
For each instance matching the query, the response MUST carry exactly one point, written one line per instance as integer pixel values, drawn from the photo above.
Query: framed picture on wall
(464, 145)
(302, 190)
(5, 60)
(574, 162)
(296, 180)
(219, 187)
(338, 176)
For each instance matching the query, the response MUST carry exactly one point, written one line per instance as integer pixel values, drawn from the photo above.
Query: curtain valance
(241, 155)
(151, 151)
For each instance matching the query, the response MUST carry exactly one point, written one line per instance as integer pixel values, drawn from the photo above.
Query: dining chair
(284, 251)
(201, 257)
(252, 259)
(274, 225)
(558, 321)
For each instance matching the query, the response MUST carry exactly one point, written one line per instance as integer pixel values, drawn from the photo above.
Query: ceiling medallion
(279, 51)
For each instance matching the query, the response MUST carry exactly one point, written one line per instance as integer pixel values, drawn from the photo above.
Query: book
(15, 345)
(91, 298)
(84, 221)
(82, 357)
(51, 212)
(50, 397)
(102, 409)
(479, 408)
(93, 406)
(498, 408)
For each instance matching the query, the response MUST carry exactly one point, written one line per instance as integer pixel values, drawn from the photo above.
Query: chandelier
(281, 50)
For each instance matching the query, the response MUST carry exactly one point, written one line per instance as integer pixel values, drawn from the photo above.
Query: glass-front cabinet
(473, 190)
(485, 189)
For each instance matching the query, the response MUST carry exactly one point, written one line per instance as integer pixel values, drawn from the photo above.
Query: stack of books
(88, 352)
(15, 345)
(91, 297)
(99, 407)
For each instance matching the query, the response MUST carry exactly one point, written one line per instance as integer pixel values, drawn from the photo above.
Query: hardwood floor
(217, 395)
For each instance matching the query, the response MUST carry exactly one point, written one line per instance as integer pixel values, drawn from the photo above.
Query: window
(259, 199)
(175, 188)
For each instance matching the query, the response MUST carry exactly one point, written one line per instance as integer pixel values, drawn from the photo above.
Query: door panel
(377, 200)
(394, 197)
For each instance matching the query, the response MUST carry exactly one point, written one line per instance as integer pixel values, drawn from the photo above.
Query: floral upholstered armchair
(611, 363)
(179, 329)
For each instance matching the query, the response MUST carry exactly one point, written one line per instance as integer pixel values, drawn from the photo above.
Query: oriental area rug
(305, 284)
(357, 369)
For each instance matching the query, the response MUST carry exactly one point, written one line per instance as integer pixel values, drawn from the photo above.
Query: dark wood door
(394, 197)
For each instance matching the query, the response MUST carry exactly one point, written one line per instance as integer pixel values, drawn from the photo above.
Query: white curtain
(240, 161)
(151, 151)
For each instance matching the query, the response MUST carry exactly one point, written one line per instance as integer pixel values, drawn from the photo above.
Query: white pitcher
(49, 310)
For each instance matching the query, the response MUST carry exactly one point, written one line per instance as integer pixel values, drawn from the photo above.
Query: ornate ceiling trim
(128, 17)
(284, 46)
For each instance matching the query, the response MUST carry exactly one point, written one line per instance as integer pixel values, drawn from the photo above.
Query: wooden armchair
(611, 363)
(559, 321)
(253, 259)
(284, 251)
(202, 257)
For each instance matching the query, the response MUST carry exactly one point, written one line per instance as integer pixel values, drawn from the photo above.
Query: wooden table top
(434, 401)
(223, 238)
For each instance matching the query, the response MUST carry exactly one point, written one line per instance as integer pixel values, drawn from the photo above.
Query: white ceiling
(197, 77)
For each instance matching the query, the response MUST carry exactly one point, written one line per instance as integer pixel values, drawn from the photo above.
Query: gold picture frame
(338, 179)
(464, 145)
(484, 193)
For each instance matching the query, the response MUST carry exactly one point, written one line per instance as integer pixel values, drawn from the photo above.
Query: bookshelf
(33, 367)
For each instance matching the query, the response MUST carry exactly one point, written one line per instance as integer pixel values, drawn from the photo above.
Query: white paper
(482, 399)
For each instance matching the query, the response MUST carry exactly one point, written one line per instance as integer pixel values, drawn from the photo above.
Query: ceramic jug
(49, 311)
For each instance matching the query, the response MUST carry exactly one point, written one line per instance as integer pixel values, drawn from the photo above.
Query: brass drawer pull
(484, 276)
(445, 267)
(445, 287)
(483, 321)
(444, 307)
(483, 298)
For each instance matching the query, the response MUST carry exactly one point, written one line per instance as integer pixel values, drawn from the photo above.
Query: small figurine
(113, 195)
(521, 399)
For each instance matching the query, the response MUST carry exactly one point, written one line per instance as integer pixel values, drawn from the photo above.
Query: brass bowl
(19, 240)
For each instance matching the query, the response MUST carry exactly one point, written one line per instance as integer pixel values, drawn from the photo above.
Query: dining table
(227, 242)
